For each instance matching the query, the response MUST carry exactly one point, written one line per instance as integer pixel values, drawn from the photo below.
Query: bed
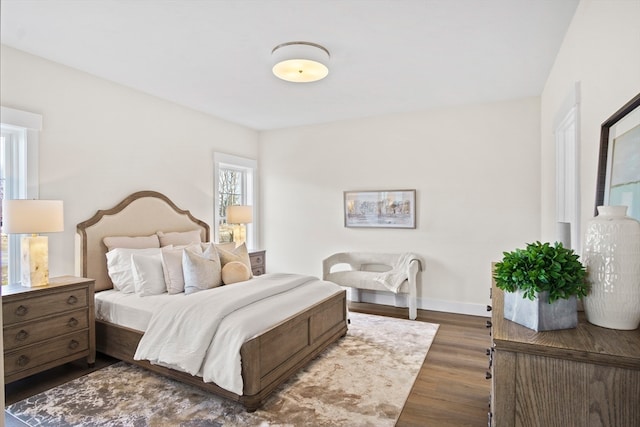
(267, 360)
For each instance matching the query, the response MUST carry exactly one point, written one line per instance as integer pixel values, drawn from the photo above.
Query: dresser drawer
(35, 355)
(30, 332)
(45, 305)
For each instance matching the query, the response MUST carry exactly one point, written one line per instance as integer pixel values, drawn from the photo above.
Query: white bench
(370, 271)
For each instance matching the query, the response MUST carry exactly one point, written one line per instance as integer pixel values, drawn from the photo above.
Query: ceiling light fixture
(300, 62)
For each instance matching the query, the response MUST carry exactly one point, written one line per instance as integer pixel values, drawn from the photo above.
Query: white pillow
(200, 272)
(179, 237)
(148, 278)
(136, 242)
(119, 267)
(172, 267)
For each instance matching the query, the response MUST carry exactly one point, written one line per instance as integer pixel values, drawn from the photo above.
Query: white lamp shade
(300, 62)
(32, 216)
(239, 214)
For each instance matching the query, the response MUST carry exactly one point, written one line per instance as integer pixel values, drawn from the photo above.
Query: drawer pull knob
(489, 324)
(72, 300)
(22, 335)
(487, 375)
(73, 344)
(72, 323)
(488, 352)
(489, 308)
(21, 311)
(23, 360)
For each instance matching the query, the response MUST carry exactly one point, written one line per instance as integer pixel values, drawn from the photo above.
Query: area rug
(361, 380)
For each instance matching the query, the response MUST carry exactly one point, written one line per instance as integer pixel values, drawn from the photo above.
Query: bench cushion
(362, 280)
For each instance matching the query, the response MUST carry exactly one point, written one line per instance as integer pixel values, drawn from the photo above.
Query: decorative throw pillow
(148, 277)
(234, 272)
(131, 242)
(172, 267)
(237, 254)
(211, 246)
(179, 237)
(200, 272)
(119, 267)
(209, 250)
(227, 246)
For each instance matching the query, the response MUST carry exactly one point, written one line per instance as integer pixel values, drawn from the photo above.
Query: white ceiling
(387, 56)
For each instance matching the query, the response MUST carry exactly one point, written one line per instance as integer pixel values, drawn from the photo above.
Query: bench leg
(402, 300)
(413, 307)
(413, 311)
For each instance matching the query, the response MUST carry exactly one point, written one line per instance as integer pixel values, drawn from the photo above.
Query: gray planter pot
(538, 314)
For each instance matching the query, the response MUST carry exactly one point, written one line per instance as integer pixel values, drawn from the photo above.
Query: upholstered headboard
(140, 214)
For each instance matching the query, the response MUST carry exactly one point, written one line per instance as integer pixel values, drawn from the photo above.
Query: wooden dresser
(588, 376)
(258, 262)
(47, 326)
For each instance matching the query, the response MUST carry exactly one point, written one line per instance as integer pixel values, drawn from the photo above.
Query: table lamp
(32, 217)
(239, 215)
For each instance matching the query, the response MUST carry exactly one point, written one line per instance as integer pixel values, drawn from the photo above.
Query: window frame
(24, 128)
(567, 146)
(249, 167)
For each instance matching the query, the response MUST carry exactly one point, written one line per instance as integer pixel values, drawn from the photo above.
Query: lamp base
(239, 234)
(34, 261)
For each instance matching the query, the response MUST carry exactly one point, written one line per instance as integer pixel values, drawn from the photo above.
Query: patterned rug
(362, 380)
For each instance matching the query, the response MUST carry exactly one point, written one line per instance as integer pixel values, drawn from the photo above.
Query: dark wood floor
(451, 389)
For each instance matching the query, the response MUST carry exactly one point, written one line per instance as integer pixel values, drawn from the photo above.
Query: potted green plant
(542, 283)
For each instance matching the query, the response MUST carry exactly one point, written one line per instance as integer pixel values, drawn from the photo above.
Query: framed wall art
(619, 162)
(380, 209)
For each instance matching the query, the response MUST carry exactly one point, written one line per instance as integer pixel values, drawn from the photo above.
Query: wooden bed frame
(268, 360)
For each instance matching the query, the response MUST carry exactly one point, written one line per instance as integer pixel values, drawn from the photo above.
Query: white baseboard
(454, 307)
(388, 298)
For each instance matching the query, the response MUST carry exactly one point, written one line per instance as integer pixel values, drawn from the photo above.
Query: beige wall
(101, 141)
(601, 52)
(476, 171)
(484, 174)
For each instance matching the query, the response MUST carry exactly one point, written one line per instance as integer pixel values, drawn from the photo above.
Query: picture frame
(380, 209)
(618, 178)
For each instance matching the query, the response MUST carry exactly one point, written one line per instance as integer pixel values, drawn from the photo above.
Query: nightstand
(47, 326)
(258, 262)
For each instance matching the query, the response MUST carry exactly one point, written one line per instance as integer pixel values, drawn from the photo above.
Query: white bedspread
(130, 310)
(202, 333)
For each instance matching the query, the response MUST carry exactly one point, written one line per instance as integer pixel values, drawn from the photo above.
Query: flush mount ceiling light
(300, 62)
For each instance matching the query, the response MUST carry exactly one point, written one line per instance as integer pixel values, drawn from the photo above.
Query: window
(567, 172)
(235, 183)
(18, 175)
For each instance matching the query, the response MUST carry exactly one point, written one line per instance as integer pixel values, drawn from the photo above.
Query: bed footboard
(271, 358)
(268, 360)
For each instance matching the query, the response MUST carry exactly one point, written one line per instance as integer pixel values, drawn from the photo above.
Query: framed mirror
(618, 181)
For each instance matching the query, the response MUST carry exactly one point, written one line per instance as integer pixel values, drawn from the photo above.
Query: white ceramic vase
(612, 257)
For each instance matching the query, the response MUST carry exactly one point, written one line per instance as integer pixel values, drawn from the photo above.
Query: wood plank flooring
(451, 389)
